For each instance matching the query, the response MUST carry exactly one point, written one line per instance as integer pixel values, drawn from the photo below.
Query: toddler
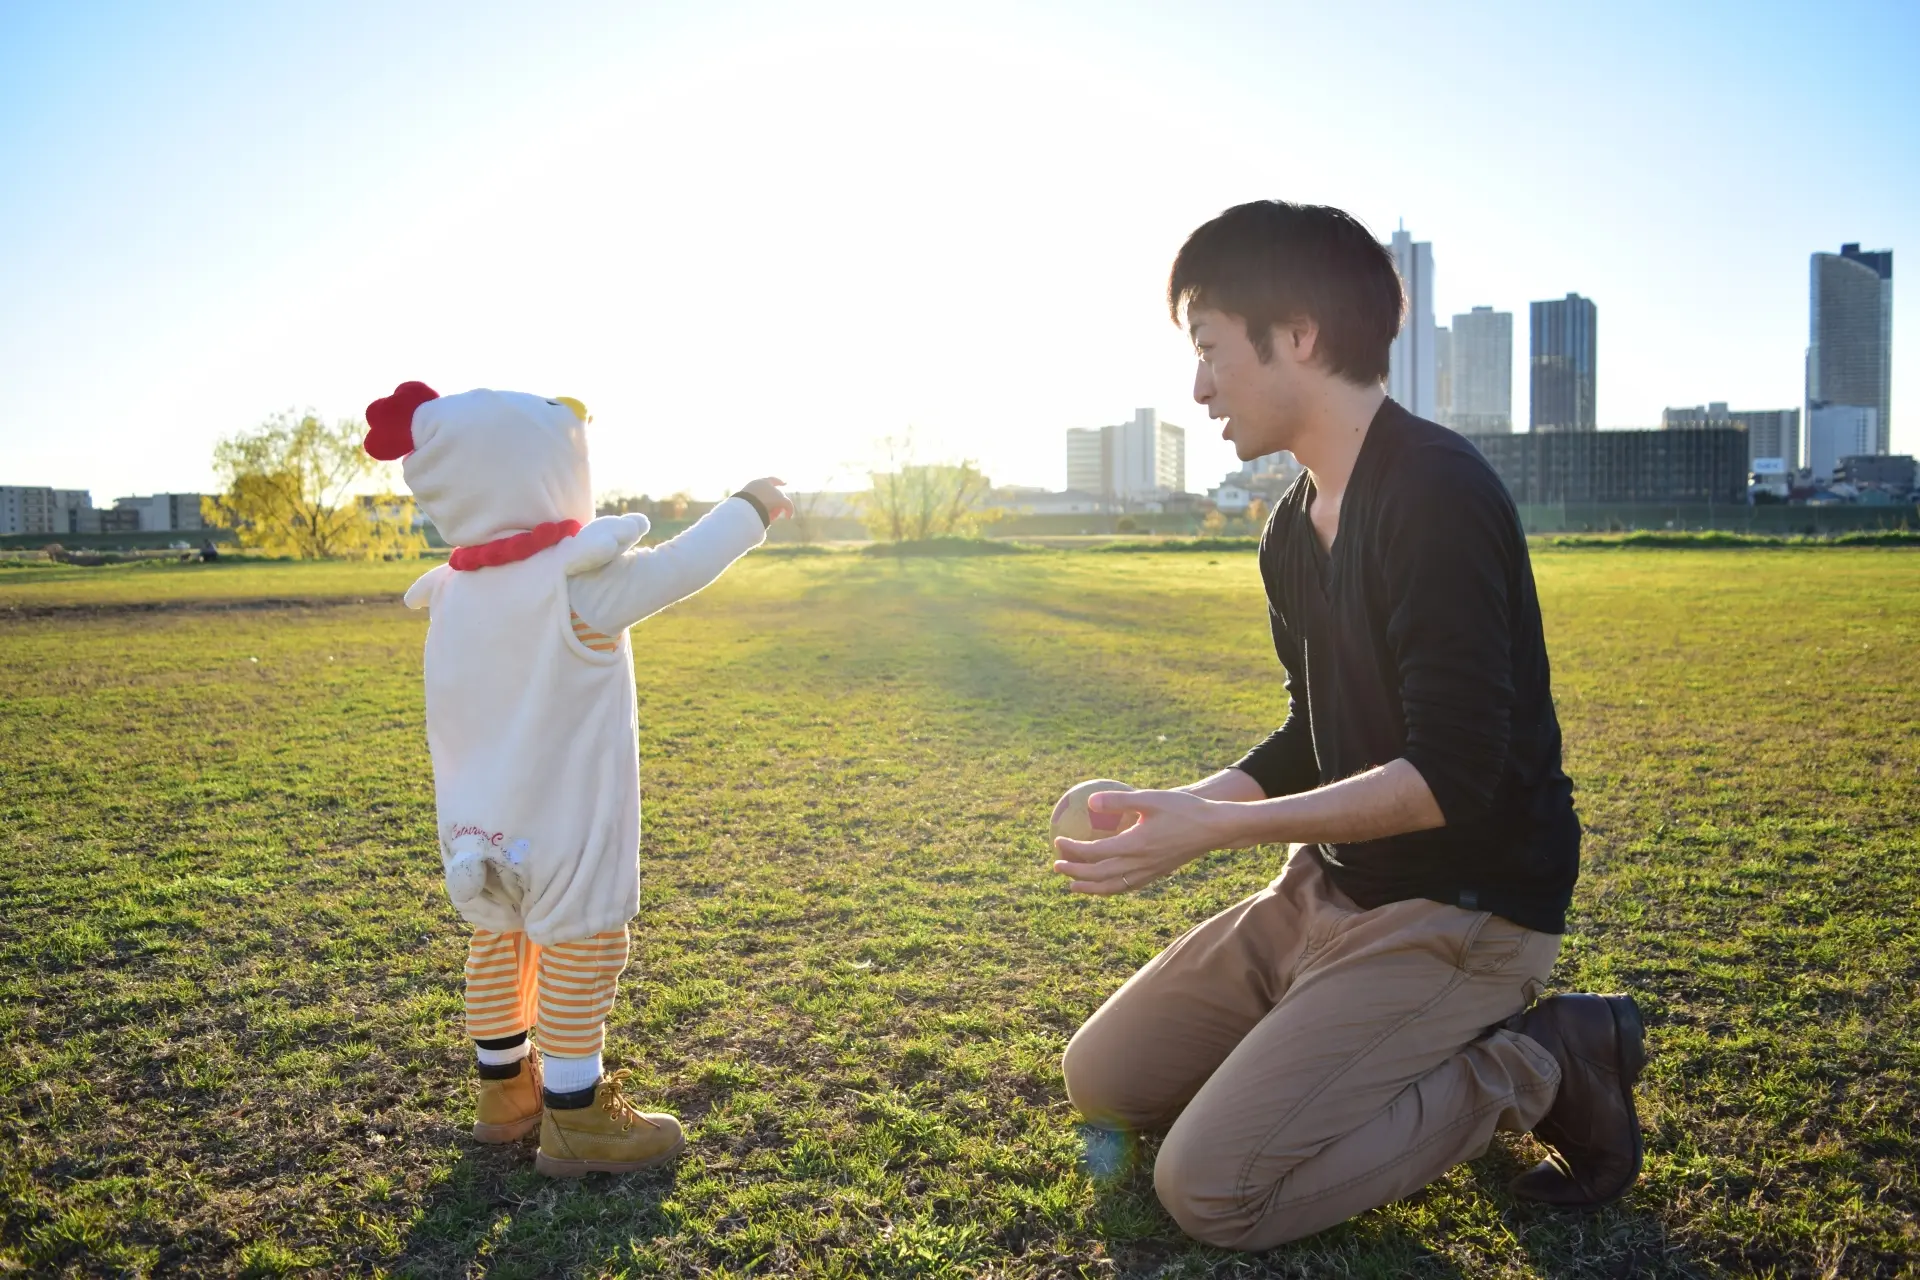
(531, 723)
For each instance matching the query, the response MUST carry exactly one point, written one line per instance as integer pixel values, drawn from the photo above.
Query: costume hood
(486, 464)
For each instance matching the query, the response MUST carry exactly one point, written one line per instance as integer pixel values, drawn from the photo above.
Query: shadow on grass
(1618, 1241)
(1144, 1241)
(493, 1212)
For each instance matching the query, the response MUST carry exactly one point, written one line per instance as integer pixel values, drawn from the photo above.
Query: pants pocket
(1491, 944)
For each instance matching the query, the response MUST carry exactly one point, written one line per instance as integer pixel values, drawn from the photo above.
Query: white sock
(569, 1075)
(499, 1057)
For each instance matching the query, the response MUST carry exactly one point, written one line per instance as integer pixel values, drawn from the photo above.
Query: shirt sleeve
(1284, 763)
(1450, 552)
(646, 580)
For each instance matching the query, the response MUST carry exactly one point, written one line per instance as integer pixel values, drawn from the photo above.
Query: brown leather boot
(1593, 1129)
(509, 1107)
(602, 1132)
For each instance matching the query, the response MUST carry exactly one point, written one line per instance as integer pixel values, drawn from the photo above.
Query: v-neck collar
(1323, 553)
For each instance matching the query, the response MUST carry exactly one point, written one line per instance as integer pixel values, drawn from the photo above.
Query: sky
(756, 238)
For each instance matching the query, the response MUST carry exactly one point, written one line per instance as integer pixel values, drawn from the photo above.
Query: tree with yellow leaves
(297, 487)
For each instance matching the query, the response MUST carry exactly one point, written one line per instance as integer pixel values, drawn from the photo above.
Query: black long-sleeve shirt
(1419, 637)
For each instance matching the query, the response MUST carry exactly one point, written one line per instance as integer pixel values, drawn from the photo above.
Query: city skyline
(700, 224)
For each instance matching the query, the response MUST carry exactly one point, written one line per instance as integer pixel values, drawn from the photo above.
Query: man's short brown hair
(1270, 262)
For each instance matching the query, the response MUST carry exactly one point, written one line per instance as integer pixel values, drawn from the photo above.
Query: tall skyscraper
(1443, 375)
(1564, 365)
(1850, 335)
(1482, 372)
(1410, 361)
(1149, 457)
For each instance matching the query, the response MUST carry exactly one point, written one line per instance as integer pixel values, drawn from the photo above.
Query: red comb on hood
(390, 420)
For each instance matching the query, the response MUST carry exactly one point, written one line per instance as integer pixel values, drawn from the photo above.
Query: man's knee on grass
(1202, 1187)
(1198, 1186)
(1100, 1084)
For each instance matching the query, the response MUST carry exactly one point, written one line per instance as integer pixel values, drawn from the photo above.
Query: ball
(1072, 818)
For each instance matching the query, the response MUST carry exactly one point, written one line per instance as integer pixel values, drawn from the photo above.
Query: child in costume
(532, 726)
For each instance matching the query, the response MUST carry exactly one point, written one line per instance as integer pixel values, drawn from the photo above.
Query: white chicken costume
(531, 710)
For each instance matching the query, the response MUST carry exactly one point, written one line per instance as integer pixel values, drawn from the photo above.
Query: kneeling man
(1345, 1036)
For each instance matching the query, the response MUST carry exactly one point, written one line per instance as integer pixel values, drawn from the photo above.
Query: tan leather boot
(509, 1109)
(608, 1135)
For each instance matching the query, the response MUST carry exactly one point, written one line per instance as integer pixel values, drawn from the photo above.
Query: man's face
(1260, 401)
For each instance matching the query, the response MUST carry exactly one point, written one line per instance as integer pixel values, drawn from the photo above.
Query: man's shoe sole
(555, 1167)
(498, 1134)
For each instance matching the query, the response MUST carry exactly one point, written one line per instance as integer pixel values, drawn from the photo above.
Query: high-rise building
(1139, 461)
(1087, 460)
(1443, 376)
(1836, 431)
(1564, 365)
(1149, 458)
(1771, 433)
(1850, 336)
(1481, 360)
(1410, 361)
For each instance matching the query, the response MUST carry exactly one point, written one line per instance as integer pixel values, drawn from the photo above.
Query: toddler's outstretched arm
(646, 580)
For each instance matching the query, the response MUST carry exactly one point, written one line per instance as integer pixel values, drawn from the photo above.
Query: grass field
(229, 979)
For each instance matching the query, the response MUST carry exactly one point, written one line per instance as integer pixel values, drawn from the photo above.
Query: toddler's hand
(768, 492)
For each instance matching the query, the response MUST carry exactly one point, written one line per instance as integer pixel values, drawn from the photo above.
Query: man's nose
(1202, 384)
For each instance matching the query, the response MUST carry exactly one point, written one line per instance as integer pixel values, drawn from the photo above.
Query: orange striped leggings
(562, 992)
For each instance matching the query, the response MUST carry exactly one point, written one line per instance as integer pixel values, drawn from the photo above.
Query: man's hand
(1175, 827)
(767, 491)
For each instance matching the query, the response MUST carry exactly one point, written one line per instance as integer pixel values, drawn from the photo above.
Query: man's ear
(1302, 337)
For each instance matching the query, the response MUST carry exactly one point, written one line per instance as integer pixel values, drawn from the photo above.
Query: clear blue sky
(756, 237)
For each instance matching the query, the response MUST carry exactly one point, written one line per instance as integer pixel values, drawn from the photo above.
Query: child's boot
(599, 1131)
(510, 1101)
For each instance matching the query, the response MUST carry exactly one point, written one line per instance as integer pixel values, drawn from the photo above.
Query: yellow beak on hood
(579, 410)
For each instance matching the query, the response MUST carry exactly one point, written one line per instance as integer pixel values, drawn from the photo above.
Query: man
(1346, 1035)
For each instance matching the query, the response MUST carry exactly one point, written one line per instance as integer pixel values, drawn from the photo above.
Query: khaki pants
(1316, 1060)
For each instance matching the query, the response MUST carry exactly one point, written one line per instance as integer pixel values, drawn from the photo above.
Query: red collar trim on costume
(514, 547)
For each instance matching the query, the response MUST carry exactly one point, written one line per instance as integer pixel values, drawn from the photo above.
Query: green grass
(1714, 539)
(144, 585)
(229, 978)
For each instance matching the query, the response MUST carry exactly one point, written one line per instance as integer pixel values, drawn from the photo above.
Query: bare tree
(912, 500)
(807, 511)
